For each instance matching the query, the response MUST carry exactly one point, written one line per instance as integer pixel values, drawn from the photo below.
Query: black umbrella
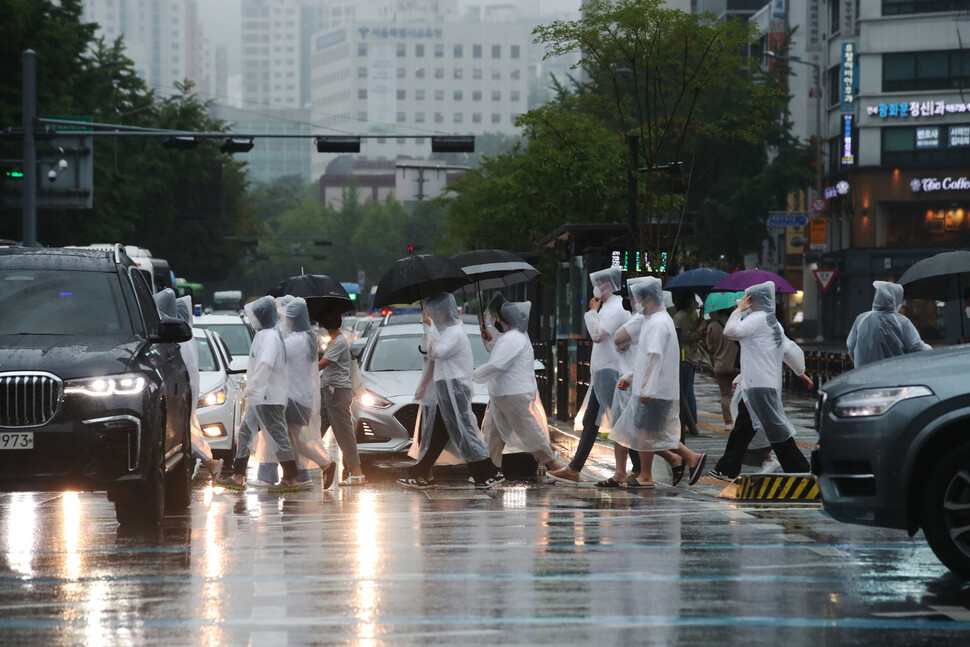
(323, 294)
(943, 277)
(701, 279)
(494, 268)
(414, 278)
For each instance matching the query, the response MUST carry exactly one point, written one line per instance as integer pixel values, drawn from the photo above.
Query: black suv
(93, 391)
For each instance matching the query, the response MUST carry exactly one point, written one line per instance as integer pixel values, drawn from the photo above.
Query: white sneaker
(305, 485)
(260, 484)
(769, 466)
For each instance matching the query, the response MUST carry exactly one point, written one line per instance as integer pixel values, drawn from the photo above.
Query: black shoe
(721, 477)
(416, 483)
(491, 482)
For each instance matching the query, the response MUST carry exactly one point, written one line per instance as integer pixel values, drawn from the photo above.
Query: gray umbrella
(943, 277)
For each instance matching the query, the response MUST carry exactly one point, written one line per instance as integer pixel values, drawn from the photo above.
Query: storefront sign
(849, 78)
(932, 184)
(399, 33)
(959, 136)
(847, 15)
(814, 39)
(817, 234)
(928, 137)
(848, 158)
(914, 109)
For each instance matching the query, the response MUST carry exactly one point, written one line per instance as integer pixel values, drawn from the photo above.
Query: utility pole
(632, 208)
(29, 227)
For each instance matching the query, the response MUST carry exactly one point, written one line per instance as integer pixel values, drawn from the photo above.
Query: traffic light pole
(29, 227)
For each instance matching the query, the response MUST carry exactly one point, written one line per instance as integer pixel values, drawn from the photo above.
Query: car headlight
(875, 402)
(213, 398)
(371, 400)
(100, 387)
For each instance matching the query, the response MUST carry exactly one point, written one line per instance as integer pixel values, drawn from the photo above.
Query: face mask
(639, 307)
(597, 293)
(967, 310)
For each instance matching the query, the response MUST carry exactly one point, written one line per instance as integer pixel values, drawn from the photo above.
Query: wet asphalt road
(524, 564)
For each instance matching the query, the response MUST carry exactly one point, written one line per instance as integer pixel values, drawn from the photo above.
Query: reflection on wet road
(523, 564)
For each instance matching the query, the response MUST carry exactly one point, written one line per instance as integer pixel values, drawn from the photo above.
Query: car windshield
(207, 358)
(400, 353)
(58, 302)
(236, 337)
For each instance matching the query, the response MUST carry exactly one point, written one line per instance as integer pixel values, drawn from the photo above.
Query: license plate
(21, 440)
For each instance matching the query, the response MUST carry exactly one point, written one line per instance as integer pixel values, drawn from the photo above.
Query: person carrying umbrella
(724, 354)
(512, 416)
(336, 396)
(764, 350)
(603, 319)
(883, 331)
(450, 351)
(690, 331)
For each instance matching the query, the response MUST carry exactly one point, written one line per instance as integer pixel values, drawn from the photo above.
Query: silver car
(220, 394)
(384, 417)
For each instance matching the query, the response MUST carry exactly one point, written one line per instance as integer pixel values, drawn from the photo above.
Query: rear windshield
(57, 302)
(400, 353)
(236, 337)
(207, 359)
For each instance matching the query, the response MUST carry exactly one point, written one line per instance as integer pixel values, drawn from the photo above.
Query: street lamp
(818, 113)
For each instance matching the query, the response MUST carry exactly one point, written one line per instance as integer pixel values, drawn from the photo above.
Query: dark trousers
(790, 457)
(588, 437)
(481, 470)
(688, 408)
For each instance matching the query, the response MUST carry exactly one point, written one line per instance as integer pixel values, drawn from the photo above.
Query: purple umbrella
(746, 278)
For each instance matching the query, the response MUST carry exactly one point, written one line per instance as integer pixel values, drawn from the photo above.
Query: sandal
(609, 483)
(697, 470)
(353, 479)
(678, 472)
(634, 484)
(229, 484)
(328, 475)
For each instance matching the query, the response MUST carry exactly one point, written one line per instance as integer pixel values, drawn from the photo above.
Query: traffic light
(180, 143)
(236, 145)
(343, 144)
(320, 242)
(453, 144)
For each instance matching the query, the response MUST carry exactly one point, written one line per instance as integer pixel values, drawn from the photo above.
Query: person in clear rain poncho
(603, 319)
(883, 331)
(515, 416)
(169, 306)
(450, 351)
(266, 398)
(303, 400)
(764, 351)
(650, 423)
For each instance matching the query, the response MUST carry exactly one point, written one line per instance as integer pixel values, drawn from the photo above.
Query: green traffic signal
(14, 173)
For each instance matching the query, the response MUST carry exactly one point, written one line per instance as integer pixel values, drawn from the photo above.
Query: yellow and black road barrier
(772, 487)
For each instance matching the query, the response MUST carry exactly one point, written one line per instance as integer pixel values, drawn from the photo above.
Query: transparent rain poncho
(303, 391)
(450, 354)
(190, 355)
(165, 302)
(625, 340)
(265, 372)
(654, 426)
(492, 311)
(763, 351)
(883, 331)
(514, 411)
(604, 360)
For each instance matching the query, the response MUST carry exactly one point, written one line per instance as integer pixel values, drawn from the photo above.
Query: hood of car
(68, 357)
(393, 384)
(209, 380)
(943, 370)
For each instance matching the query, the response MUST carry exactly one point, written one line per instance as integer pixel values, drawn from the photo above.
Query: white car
(220, 394)
(234, 330)
(384, 416)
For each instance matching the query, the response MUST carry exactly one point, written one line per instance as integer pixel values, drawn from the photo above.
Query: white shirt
(510, 369)
(601, 326)
(451, 352)
(266, 371)
(656, 370)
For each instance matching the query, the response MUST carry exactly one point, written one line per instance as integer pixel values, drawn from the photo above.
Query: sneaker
(229, 484)
(769, 466)
(491, 482)
(265, 485)
(416, 483)
(305, 485)
(720, 477)
(282, 488)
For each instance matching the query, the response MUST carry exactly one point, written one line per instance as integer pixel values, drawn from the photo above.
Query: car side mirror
(172, 331)
(237, 365)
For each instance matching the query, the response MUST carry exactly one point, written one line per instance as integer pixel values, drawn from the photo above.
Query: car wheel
(946, 505)
(144, 502)
(178, 483)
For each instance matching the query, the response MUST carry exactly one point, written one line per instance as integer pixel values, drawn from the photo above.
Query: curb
(772, 487)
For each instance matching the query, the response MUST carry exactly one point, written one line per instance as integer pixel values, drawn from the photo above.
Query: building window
(439, 117)
(458, 95)
(457, 118)
(439, 95)
(457, 51)
(419, 95)
(496, 95)
(935, 70)
(496, 74)
(419, 117)
(401, 95)
(439, 50)
(439, 72)
(926, 144)
(362, 93)
(400, 72)
(514, 51)
(400, 117)
(458, 73)
(496, 118)
(362, 115)
(476, 117)
(476, 95)
(496, 51)
(419, 50)
(476, 51)
(514, 95)
(361, 72)
(900, 7)
(419, 73)
(401, 50)
(515, 74)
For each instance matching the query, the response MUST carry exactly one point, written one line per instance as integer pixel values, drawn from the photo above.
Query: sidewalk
(712, 438)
